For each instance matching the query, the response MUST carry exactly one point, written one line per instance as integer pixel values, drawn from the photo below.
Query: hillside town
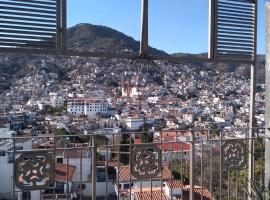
(121, 102)
(111, 93)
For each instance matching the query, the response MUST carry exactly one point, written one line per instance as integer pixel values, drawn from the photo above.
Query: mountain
(87, 37)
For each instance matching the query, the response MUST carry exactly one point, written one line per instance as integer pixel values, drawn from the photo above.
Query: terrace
(205, 164)
(181, 164)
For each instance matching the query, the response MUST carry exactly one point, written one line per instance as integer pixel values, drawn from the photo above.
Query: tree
(62, 131)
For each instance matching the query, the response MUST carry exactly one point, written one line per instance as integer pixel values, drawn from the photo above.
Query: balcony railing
(178, 164)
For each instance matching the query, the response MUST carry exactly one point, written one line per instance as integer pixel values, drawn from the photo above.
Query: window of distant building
(2, 153)
(81, 186)
(26, 195)
(59, 184)
(59, 160)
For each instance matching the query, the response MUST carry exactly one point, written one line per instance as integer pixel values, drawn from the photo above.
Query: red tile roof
(198, 192)
(64, 172)
(168, 146)
(137, 141)
(125, 176)
(154, 195)
(175, 184)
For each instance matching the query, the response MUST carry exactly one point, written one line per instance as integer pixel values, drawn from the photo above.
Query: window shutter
(32, 24)
(233, 29)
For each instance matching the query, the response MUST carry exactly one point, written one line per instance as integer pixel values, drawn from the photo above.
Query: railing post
(252, 95)
(94, 169)
(191, 166)
(267, 94)
(251, 130)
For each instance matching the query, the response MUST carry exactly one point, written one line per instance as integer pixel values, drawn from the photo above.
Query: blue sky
(174, 25)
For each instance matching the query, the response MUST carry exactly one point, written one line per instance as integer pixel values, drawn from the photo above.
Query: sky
(174, 25)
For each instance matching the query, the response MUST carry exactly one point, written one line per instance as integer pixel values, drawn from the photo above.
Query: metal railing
(178, 164)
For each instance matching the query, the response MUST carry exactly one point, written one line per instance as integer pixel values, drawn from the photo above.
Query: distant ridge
(87, 37)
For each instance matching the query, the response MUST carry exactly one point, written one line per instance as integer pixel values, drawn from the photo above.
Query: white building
(87, 106)
(136, 122)
(7, 160)
(4, 107)
(57, 101)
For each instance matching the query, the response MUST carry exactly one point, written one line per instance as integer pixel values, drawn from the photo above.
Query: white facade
(85, 165)
(3, 107)
(57, 101)
(7, 160)
(135, 123)
(87, 106)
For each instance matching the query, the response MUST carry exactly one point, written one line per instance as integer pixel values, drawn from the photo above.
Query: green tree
(62, 131)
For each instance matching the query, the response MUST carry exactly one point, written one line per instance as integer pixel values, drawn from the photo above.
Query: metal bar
(233, 32)
(126, 56)
(15, 3)
(14, 169)
(201, 170)
(106, 173)
(130, 149)
(191, 167)
(28, 19)
(229, 185)
(234, 44)
(67, 182)
(27, 14)
(94, 165)
(81, 174)
(212, 29)
(42, 29)
(235, 8)
(26, 10)
(37, 2)
(35, 38)
(170, 167)
(118, 173)
(211, 170)
(234, 47)
(236, 185)
(18, 45)
(54, 153)
(220, 165)
(58, 26)
(237, 5)
(144, 29)
(252, 108)
(235, 25)
(228, 17)
(44, 33)
(181, 169)
(225, 11)
(235, 36)
(267, 95)
(26, 42)
(151, 188)
(64, 25)
(18, 23)
(161, 179)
